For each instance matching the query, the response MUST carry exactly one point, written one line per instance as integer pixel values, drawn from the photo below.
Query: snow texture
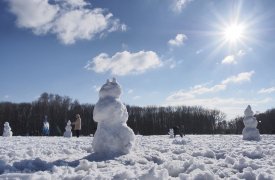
(250, 131)
(152, 157)
(68, 128)
(7, 131)
(113, 136)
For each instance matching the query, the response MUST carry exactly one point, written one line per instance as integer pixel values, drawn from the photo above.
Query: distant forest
(27, 118)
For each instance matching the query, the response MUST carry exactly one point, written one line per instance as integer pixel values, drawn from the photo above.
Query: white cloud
(136, 97)
(178, 41)
(69, 20)
(241, 53)
(192, 97)
(229, 60)
(234, 58)
(203, 89)
(123, 63)
(6, 96)
(73, 3)
(242, 77)
(179, 5)
(267, 90)
(171, 63)
(199, 51)
(130, 91)
(33, 14)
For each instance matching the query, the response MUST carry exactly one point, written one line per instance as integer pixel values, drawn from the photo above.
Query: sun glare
(234, 33)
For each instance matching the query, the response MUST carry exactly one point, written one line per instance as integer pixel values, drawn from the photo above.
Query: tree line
(27, 118)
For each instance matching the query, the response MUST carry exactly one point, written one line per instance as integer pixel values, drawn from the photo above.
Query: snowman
(68, 128)
(7, 130)
(171, 133)
(113, 136)
(250, 131)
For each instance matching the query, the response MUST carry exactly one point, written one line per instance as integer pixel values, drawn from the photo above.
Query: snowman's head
(248, 111)
(6, 124)
(110, 89)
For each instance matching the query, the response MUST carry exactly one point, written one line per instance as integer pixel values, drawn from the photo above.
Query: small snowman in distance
(171, 133)
(250, 131)
(7, 130)
(68, 128)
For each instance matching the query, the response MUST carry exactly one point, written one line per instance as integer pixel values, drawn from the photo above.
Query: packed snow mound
(250, 131)
(112, 136)
(7, 130)
(68, 128)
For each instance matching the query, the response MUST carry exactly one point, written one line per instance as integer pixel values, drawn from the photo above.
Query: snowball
(265, 176)
(198, 174)
(124, 175)
(154, 174)
(254, 154)
(247, 174)
(229, 160)
(175, 167)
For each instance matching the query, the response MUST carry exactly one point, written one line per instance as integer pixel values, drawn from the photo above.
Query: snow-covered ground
(153, 157)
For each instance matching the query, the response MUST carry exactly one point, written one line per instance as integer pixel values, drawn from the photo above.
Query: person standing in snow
(177, 130)
(46, 127)
(77, 125)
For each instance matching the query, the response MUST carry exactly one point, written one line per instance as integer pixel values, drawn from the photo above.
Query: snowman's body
(7, 130)
(250, 131)
(112, 136)
(68, 128)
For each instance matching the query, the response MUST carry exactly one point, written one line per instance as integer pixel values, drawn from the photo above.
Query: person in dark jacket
(177, 130)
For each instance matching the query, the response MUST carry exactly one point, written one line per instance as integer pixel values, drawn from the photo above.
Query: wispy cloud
(229, 60)
(199, 51)
(136, 97)
(234, 58)
(203, 89)
(178, 40)
(124, 63)
(178, 5)
(7, 96)
(192, 97)
(69, 20)
(267, 90)
(242, 77)
(130, 91)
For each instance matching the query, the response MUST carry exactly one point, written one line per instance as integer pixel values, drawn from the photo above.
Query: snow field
(152, 157)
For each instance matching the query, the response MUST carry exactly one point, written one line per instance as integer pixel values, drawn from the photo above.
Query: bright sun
(234, 33)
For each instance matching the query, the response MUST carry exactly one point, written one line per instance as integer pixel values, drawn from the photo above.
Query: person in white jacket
(77, 125)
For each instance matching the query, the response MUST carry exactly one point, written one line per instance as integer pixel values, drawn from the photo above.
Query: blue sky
(213, 53)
